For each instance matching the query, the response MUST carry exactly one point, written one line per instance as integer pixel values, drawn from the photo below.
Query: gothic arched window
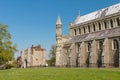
(116, 53)
(89, 47)
(115, 44)
(78, 47)
(101, 45)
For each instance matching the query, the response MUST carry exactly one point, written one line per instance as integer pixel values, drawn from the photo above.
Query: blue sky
(33, 21)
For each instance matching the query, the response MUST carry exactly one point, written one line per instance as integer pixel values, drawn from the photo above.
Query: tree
(7, 49)
(52, 56)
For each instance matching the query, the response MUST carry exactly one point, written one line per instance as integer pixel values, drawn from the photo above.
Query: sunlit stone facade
(33, 57)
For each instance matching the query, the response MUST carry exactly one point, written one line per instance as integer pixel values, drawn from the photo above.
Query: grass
(60, 74)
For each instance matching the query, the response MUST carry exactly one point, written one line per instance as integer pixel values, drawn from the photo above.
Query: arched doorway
(116, 53)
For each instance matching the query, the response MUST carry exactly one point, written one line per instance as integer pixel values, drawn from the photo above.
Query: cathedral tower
(58, 41)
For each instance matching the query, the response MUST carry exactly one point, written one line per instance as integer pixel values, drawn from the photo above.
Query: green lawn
(60, 74)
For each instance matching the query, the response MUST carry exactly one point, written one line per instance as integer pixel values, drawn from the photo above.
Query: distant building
(93, 40)
(33, 57)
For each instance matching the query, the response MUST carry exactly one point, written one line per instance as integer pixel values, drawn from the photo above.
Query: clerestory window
(99, 26)
(118, 21)
(111, 22)
(105, 24)
(84, 29)
(88, 28)
(75, 33)
(79, 31)
(94, 27)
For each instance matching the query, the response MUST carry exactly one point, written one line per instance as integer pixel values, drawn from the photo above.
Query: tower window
(118, 21)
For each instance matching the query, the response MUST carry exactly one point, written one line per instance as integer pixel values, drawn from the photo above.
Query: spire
(78, 17)
(79, 13)
(58, 20)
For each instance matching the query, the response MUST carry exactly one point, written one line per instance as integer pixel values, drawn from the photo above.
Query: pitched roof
(99, 14)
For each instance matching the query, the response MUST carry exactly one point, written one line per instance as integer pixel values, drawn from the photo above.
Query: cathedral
(93, 40)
